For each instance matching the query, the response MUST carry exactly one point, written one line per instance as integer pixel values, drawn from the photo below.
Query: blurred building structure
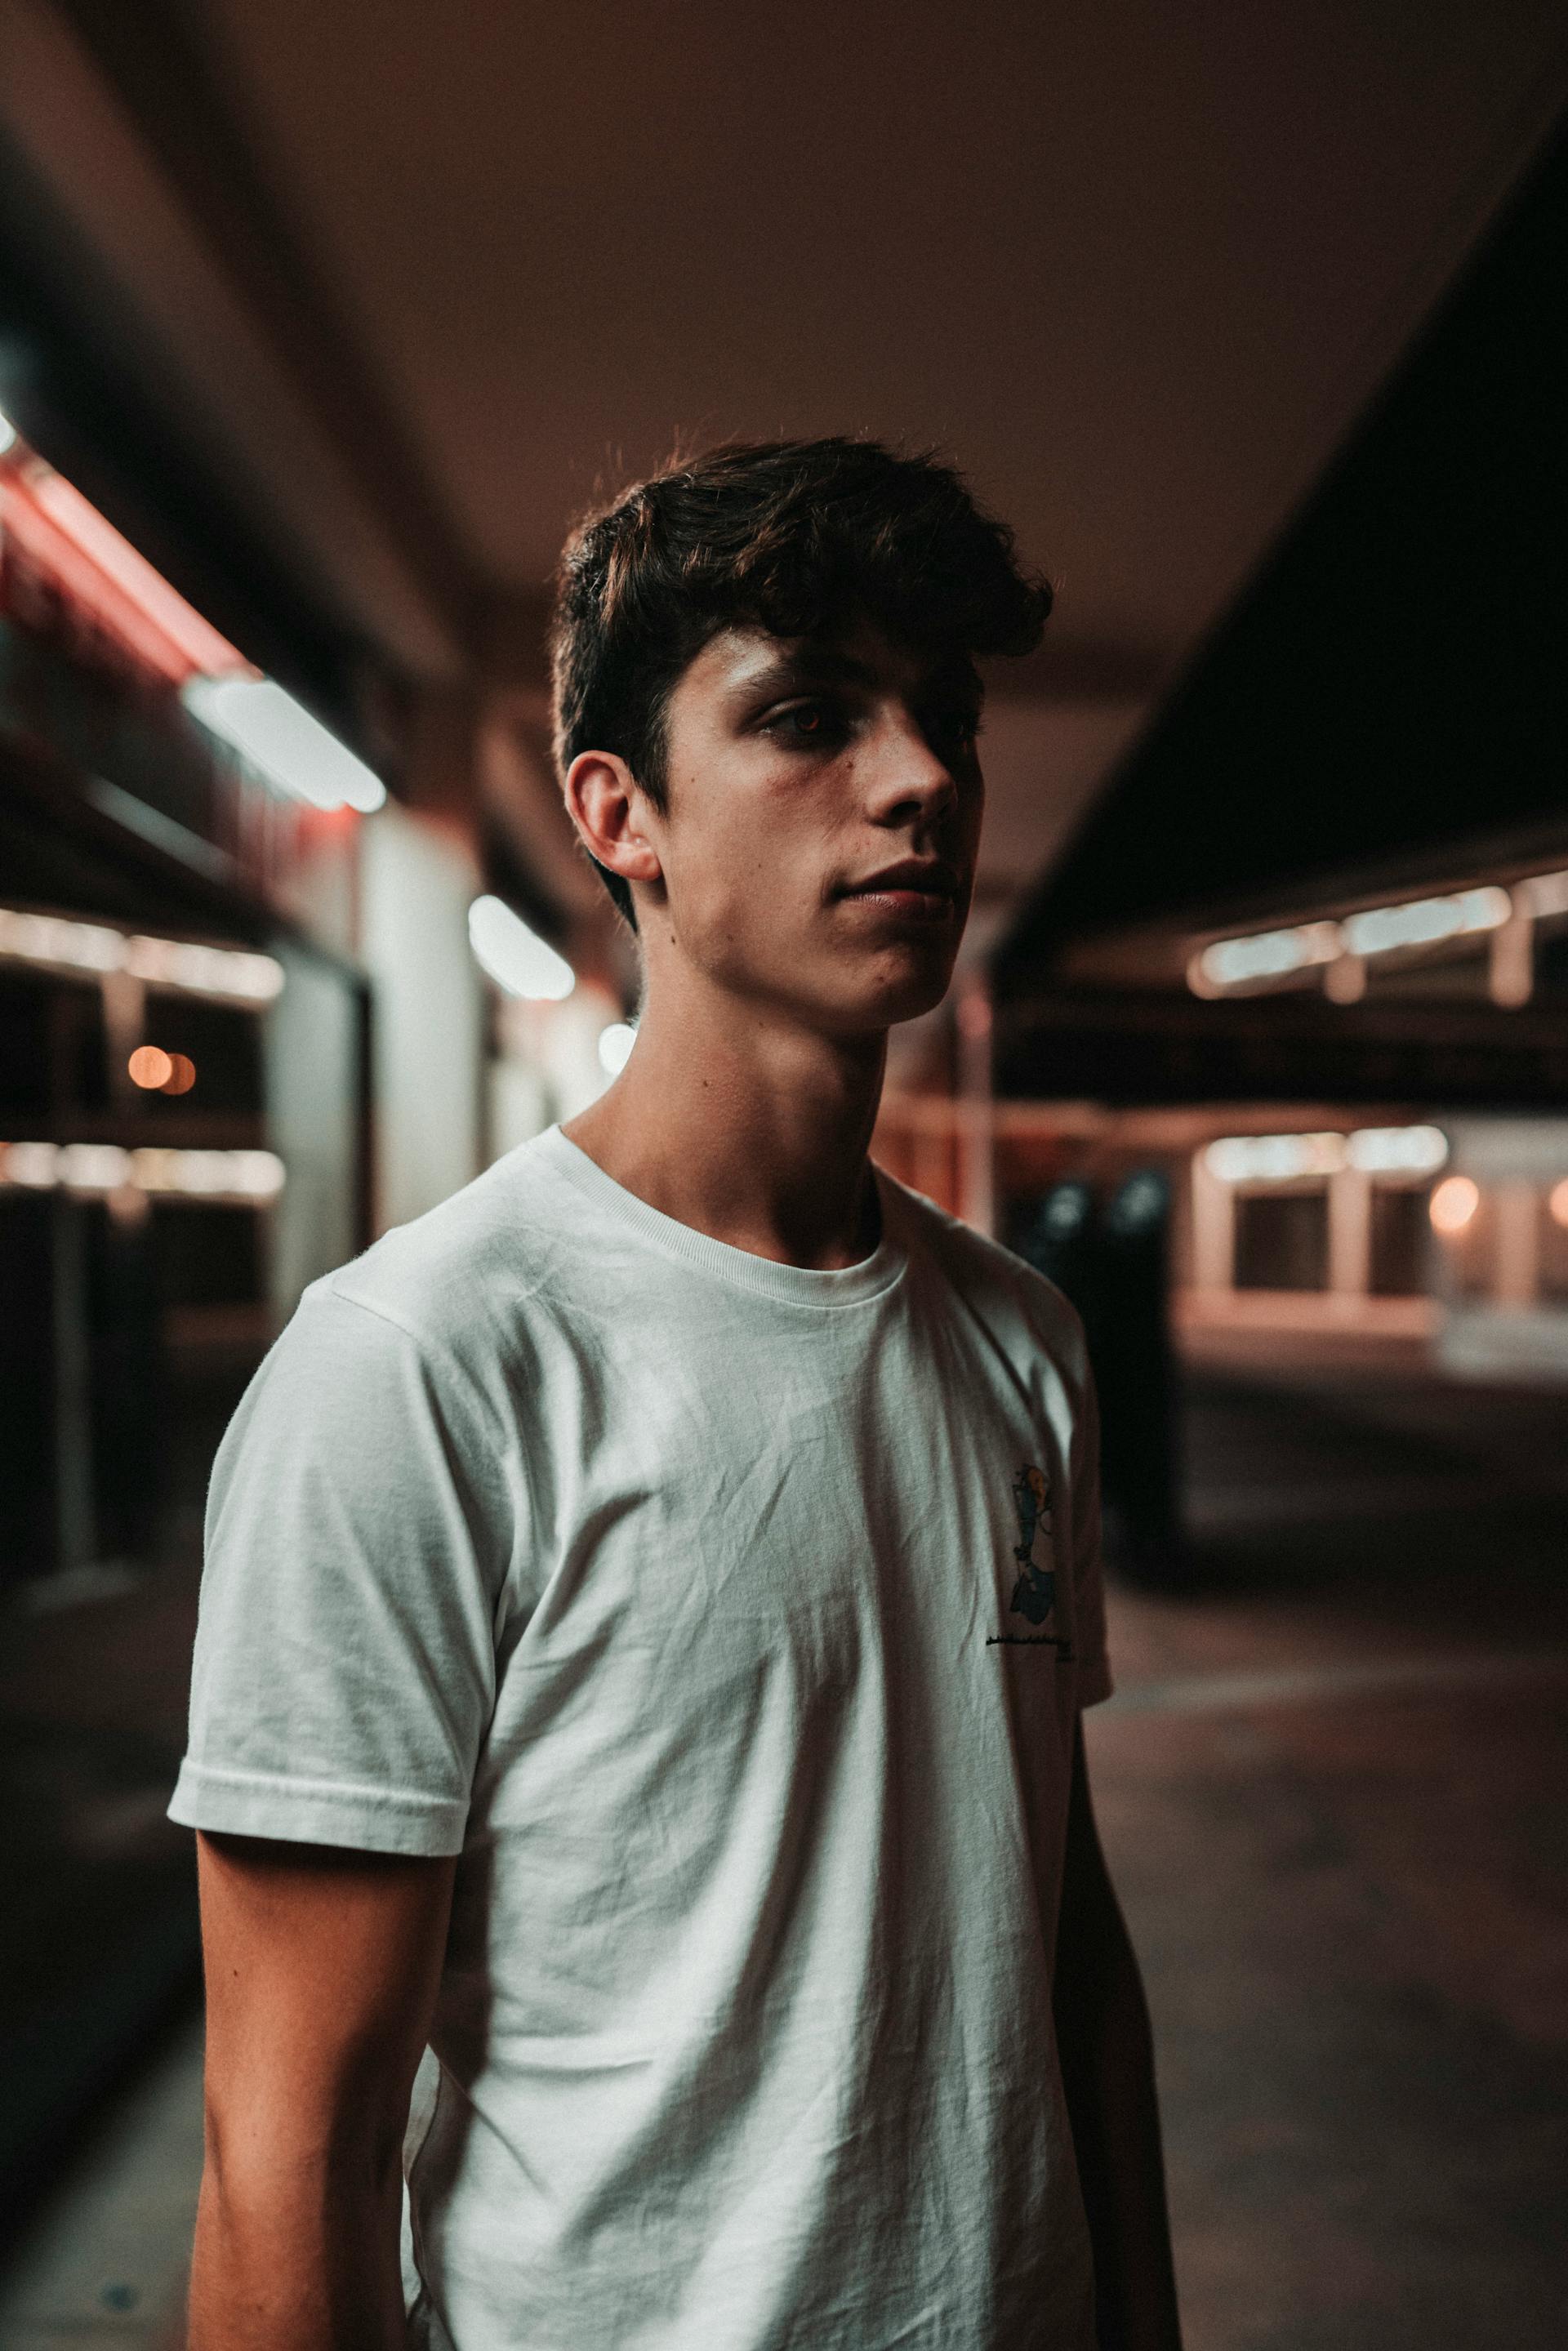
(317, 326)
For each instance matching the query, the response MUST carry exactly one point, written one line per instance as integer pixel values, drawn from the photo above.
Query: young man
(650, 1598)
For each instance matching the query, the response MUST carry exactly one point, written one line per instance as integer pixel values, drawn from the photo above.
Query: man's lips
(925, 884)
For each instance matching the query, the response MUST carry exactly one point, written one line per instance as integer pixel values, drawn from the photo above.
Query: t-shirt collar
(798, 1285)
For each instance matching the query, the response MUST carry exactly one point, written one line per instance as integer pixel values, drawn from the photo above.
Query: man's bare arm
(1108, 2069)
(322, 1971)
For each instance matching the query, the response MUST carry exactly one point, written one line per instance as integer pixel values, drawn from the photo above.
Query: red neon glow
(68, 540)
(97, 540)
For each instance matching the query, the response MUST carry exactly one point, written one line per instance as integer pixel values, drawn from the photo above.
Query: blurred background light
(1397, 1150)
(278, 735)
(1263, 955)
(205, 971)
(1557, 1203)
(53, 943)
(1267, 955)
(1424, 921)
(8, 434)
(1453, 1204)
(51, 940)
(247, 1176)
(516, 958)
(94, 535)
(1273, 1158)
(150, 1067)
(615, 1045)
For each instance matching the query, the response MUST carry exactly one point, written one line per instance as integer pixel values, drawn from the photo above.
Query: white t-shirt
(731, 1621)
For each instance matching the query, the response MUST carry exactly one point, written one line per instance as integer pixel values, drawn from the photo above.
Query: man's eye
(957, 728)
(811, 723)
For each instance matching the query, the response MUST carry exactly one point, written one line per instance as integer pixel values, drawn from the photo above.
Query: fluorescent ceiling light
(1269, 955)
(277, 734)
(1380, 930)
(516, 958)
(1424, 921)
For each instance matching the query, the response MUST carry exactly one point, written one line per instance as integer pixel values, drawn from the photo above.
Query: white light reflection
(515, 957)
(277, 735)
(615, 1045)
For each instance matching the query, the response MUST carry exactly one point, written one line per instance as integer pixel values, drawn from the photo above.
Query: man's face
(823, 816)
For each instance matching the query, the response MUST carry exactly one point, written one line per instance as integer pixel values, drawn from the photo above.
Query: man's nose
(910, 780)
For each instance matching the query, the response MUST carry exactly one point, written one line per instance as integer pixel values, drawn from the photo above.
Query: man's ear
(609, 807)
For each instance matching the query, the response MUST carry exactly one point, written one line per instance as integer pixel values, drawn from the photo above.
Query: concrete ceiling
(432, 277)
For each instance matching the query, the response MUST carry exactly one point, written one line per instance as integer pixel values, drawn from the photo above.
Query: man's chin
(906, 997)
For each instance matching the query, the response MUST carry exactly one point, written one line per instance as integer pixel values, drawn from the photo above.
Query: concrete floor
(1332, 1786)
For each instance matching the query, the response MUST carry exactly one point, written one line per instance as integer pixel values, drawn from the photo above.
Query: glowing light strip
(119, 615)
(96, 1169)
(1286, 1158)
(278, 735)
(55, 943)
(96, 538)
(1379, 930)
(515, 957)
(1269, 954)
(1424, 922)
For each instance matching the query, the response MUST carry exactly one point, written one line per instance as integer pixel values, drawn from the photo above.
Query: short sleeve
(345, 1667)
(1094, 1679)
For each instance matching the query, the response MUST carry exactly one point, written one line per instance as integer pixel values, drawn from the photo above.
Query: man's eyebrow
(809, 665)
(827, 664)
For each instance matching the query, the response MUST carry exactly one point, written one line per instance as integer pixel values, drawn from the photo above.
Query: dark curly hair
(798, 538)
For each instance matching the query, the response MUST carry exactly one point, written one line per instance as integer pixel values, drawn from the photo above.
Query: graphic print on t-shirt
(1034, 1594)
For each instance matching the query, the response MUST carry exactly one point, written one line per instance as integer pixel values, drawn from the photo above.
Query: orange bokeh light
(149, 1066)
(1453, 1204)
(158, 1072)
(1557, 1203)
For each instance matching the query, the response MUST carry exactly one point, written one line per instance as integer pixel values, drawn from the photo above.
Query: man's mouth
(922, 889)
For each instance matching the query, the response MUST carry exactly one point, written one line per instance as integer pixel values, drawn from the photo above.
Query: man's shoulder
(1019, 1306)
(445, 1278)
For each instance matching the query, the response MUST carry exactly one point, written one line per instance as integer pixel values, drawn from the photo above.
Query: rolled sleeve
(344, 1671)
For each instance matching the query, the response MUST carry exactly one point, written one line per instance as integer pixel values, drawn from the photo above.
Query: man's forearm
(1108, 2071)
(305, 2258)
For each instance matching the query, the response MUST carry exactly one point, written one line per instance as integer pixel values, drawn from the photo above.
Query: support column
(1510, 975)
(1213, 1229)
(1516, 1254)
(1350, 1234)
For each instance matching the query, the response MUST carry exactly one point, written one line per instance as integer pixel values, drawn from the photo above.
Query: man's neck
(746, 1127)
